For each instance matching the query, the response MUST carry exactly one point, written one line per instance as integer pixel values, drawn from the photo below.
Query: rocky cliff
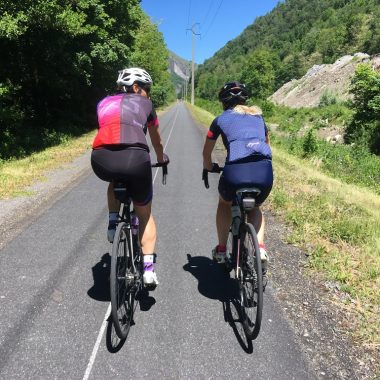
(332, 79)
(179, 70)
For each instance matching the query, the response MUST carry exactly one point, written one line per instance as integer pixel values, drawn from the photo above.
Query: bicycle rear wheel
(250, 281)
(122, 281)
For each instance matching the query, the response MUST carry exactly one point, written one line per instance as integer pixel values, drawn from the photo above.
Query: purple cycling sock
(148, 267)
(149, 262)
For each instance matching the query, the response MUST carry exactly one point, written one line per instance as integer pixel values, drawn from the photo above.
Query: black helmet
(233, 93)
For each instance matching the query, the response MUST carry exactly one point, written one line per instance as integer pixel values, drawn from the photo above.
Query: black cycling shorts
(246, 174)
(129, 164)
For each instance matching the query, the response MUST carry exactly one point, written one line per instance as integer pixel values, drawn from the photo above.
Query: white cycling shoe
(150, 279)
(111, 234)
(219, 257)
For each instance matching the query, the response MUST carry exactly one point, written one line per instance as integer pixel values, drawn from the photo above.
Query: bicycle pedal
(150, 287)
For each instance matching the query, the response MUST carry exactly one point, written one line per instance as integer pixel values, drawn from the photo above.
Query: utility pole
(185, 82)
(192, 62)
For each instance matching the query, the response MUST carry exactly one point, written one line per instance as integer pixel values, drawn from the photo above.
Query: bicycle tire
(122, 281)
(250, 281)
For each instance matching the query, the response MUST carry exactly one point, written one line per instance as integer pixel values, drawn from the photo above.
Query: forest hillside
(286, 42)
(311, 48)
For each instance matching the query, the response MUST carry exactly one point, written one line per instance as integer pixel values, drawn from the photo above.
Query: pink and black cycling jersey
(243, 135)
(123, 119)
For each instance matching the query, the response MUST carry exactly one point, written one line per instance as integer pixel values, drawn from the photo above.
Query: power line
(212, 21)
(208, 12)
(188, 14)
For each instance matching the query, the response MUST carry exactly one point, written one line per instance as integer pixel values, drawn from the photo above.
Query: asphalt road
(54, 293)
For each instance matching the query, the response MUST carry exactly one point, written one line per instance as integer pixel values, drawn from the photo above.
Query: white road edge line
(97, 344)
(103, 326)
(167, 141)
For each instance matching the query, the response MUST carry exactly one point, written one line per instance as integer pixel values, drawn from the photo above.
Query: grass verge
(338, 225)
(17, 175)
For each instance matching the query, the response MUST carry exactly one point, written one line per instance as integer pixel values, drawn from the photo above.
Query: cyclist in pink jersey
(120, 152)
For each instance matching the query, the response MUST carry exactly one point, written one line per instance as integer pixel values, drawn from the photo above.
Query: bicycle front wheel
(250, 281)
(122, 281)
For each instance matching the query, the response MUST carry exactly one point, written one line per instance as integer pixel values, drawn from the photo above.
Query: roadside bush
(310, 143)
(327, 99)
(212, 106)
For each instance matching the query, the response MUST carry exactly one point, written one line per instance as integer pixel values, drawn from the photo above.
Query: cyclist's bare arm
(207, 150)
(155, 137)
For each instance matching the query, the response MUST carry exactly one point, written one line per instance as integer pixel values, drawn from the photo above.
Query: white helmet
(134, 74)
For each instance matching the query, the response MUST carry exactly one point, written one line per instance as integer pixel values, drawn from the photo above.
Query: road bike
(126, 277)
(243, 256)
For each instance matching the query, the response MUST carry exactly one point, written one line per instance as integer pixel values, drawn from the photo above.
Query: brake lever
(164, 174)
(205, 178)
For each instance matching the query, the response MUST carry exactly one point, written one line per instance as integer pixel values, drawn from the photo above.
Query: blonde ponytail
(247, 110)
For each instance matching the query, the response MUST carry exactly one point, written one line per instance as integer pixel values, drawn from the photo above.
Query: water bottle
(135, 224)
(236, 215)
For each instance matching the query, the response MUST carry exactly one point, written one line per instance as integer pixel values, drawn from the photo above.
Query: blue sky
(219, 22)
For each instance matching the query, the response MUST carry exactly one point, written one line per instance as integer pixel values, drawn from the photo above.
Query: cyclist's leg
(223, 213)
(223, 220)
(103, 163)
(141, 190)
(148, 235)
(147, 228)
(256, 217)
(257, 173)
(113, 203)
(262, 177)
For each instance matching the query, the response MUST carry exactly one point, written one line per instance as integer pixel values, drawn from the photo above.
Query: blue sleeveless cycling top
(243, 135)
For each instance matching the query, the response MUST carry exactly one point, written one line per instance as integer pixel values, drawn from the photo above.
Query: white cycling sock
(149, 258)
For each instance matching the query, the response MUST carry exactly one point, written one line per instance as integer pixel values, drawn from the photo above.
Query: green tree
(60, 57)
(259, 73)
(364, 128)
(150, 52)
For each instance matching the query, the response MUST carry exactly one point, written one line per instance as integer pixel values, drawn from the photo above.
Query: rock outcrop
(327, 79)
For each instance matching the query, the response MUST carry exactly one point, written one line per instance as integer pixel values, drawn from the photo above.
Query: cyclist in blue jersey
(248, 162)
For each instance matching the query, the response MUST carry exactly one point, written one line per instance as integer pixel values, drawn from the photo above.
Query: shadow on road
(214, 282)
(145, 300)
(100, 291)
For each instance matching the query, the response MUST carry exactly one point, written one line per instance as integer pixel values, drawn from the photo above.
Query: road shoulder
(16, 213)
